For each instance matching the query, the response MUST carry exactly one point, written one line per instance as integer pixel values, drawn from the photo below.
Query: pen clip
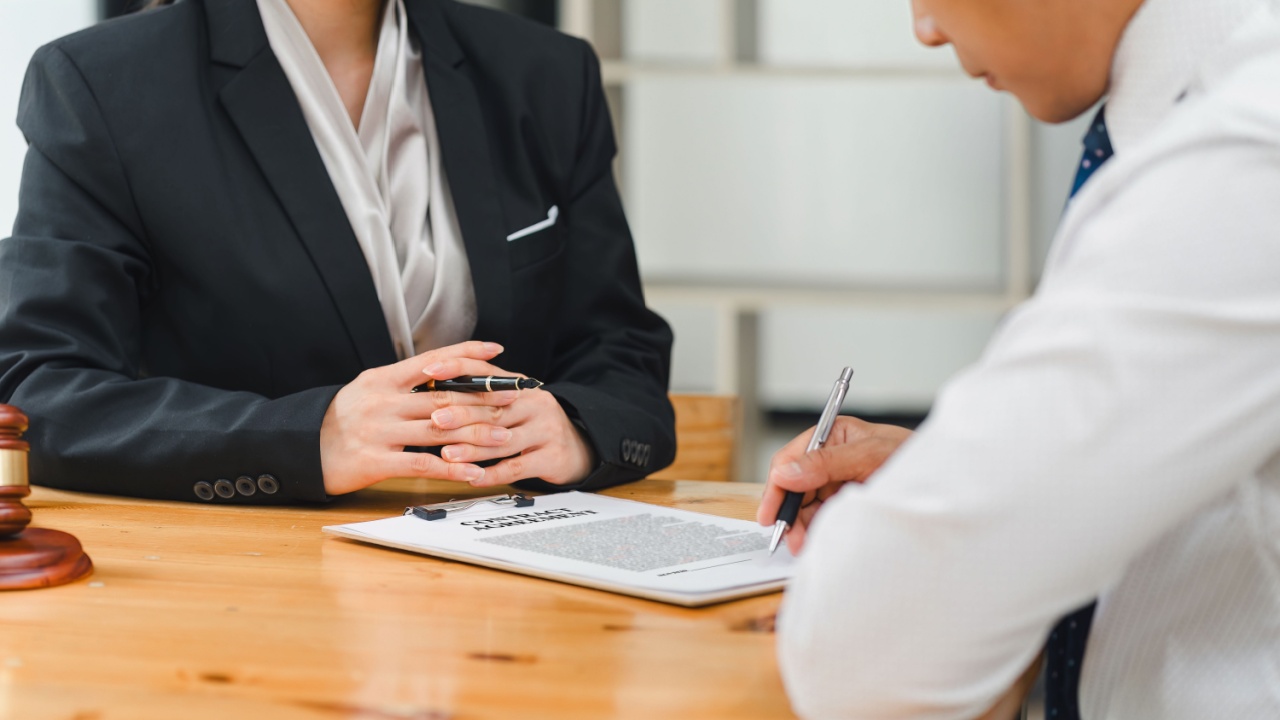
(438, 511)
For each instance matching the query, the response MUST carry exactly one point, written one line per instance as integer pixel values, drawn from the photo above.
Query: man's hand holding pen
(854, 450)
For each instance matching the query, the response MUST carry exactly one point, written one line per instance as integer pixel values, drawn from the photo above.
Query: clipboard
(622, 546)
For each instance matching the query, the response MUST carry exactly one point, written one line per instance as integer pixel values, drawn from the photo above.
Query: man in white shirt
(1120, 437)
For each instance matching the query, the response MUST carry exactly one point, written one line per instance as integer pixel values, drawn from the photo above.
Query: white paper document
(623, 546)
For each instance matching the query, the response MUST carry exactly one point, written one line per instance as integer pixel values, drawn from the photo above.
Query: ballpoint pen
(790, 508)
(479, 383)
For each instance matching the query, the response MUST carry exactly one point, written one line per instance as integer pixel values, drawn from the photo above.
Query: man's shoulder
(1240, 84)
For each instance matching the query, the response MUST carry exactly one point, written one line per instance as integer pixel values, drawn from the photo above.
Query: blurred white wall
(649, 33)
(848, 181)
(825, 33)
(24, 26)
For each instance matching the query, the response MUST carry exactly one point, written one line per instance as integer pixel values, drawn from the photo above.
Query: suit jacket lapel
(469, 167)
(262, 104)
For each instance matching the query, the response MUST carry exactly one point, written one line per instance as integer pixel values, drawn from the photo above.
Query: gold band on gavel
(13, 468)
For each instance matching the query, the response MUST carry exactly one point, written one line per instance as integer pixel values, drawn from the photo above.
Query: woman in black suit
(247, 228)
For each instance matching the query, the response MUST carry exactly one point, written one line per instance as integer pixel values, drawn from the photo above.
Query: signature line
(735, 562)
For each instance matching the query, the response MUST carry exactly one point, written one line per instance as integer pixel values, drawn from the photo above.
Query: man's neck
(345, 36)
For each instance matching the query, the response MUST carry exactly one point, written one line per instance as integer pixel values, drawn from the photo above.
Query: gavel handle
(14, 516)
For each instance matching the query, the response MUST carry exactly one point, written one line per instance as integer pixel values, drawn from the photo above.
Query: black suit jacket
(183, 294)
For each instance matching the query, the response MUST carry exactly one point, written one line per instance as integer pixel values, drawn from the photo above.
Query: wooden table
(205, 611)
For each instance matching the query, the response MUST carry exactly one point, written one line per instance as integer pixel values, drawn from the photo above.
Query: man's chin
(1056, 109)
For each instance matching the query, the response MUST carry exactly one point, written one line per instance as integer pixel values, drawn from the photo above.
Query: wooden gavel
(14, 485)
(35, 557)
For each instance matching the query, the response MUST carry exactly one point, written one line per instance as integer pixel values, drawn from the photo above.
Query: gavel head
(14, 516)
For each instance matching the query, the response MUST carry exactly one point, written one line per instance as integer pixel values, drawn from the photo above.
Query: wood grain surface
(212, 611)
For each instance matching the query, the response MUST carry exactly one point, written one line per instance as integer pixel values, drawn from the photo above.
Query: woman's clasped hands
(374, 418)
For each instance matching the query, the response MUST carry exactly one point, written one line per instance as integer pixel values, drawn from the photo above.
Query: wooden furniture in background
(29, 557)
(202, 611)
(706, 436)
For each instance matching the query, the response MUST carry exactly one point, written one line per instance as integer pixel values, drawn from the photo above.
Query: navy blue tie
(1097, 150)
(1064, 652)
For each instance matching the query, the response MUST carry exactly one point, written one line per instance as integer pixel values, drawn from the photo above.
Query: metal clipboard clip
(438, 511)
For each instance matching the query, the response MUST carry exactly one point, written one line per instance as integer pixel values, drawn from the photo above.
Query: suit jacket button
(224, 489)
(203, 490)
(246, 486)
(268, 484)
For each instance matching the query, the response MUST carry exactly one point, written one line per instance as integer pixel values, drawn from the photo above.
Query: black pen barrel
(479, 383)
(790, 509)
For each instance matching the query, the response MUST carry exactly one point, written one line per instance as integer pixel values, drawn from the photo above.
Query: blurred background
(807, 186)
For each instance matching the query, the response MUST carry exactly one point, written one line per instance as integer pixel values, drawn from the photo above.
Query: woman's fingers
(479, 452)
(421, 405)
(409, 372)
(447, 369)
(371, 419)
(559, 463)
(508, 415)
(426, 433)
(534, 464)
(423, 465)
(544, 443)
(527, 427)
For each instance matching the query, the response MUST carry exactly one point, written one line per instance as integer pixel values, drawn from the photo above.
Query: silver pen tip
(779, 528)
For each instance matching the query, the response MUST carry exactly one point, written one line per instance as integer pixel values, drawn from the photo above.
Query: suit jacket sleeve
(75, 280)
(613, 353)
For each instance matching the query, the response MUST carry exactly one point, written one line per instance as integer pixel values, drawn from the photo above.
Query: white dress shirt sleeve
(1139, 384)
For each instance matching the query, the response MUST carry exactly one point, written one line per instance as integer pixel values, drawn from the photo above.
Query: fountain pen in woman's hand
(477, 383)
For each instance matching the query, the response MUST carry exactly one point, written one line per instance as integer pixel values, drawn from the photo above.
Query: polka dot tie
(1097, 150)
(1064, 652)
